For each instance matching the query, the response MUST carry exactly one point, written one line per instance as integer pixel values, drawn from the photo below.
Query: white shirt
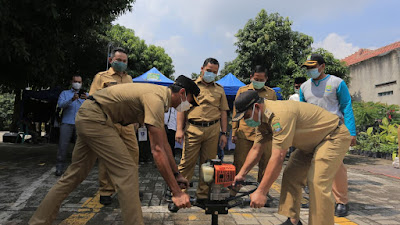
(170, 118)
(295, 97)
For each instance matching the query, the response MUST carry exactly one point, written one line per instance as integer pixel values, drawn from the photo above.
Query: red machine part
(224, 174)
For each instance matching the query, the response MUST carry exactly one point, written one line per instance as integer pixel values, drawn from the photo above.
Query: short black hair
(210, 60)
(72, 78)
(259, 69)
(175, 88)
(117, 49)
(299, 80)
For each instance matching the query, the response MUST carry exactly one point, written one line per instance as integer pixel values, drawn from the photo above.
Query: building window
(385, 93)
(386, 84)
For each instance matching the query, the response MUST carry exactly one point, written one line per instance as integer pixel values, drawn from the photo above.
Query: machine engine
(219, 176)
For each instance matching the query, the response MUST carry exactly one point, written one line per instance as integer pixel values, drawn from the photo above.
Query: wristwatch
(224, 133)
(176, 174)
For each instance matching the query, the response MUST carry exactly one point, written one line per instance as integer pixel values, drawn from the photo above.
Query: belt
(203, 123)
(93, 99)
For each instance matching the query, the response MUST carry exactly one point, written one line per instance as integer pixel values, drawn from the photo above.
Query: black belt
(203, 123)
(93, 99)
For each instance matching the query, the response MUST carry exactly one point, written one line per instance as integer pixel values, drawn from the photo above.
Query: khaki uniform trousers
(95, 139)
(203, 142)
(243, 147)
(128, 136)
(319, 167)
(340, 185)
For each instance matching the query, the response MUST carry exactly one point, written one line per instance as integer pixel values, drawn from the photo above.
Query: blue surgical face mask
(313, 73)
(251, 122)
(209, 77)
(258, 84)
(119, 66)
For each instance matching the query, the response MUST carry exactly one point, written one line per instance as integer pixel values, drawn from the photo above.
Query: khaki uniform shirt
(135, 103)
(212, 100)
(105, 79)
(298, 124)
(240, 129)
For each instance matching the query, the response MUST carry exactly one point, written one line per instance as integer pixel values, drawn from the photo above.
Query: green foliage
(368, 114)
(269, 40)
(141, 57)
(6, 110)
(44, 43)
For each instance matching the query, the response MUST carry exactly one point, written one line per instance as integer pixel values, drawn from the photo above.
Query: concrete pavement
(27, 173)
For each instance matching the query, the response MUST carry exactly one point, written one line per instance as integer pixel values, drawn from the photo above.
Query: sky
(191, 31)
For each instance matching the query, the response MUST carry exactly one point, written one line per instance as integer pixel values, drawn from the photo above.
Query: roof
(231, 84)
(153, 76)
(364, 54)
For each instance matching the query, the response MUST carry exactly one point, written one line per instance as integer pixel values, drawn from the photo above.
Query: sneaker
(288, 222)
(105, 200)
(341, 210)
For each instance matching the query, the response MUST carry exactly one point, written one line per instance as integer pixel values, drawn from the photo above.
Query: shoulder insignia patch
(276, 127)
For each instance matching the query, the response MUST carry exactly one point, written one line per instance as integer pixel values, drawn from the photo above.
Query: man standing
(203, 126)
(97, 137)
(320, 141)
(243, 135)
(69, 101)
(115, 75)
(331, 93)
(170, 127)
(297, 83)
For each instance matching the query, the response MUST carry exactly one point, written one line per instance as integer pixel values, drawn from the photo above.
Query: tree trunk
(17, 109)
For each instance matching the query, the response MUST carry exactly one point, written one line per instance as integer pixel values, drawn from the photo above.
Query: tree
(43, 43)
(268, 40)
(141, 57)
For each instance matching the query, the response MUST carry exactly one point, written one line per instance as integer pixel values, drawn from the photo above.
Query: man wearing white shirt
(297, 83)
(170, 127)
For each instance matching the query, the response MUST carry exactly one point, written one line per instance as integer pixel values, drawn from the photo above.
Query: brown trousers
(95, 138)
(340, 185)
(203, 142)
(318, 166)
(128, 136)
(243, 147)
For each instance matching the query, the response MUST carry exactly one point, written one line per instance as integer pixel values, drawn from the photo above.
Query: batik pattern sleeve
(301, 96)
(346, 108)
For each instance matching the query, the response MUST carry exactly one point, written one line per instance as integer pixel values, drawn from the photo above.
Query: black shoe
(58, 173)
(105, 200)
(341, 210)
(288, 222)
(172, 207)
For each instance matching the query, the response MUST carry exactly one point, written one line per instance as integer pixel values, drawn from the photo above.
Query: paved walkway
(27, 173)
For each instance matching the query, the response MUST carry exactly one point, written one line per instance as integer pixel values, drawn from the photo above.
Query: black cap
(190, 87)
(244, 102)
(313, 59)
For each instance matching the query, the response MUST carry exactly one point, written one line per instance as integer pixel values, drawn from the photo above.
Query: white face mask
(76, 85)
(184, 106)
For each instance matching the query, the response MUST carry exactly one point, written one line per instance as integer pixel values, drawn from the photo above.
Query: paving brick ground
(27, 173)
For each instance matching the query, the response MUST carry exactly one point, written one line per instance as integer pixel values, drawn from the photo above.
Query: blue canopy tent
(153, 76)
(231, 86)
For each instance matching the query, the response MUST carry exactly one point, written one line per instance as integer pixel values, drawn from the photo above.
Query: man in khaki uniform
(243, 135)
(115, 75)
(316, 134)
(203, 125)
(97, 137)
